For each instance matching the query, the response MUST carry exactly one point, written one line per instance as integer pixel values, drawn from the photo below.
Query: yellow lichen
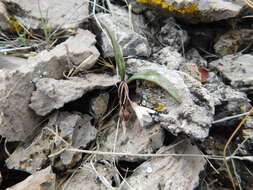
(15, 26)
(158, 2)
(170, 7)
(160, 108)
(143, 1)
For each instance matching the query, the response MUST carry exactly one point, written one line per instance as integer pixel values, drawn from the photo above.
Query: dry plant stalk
(227, 144)
(249, 3)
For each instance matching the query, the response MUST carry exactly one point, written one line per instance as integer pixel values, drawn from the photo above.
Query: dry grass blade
(101, 177)
(228, 143)
(249, 3)
(230, 118)
(117, 154)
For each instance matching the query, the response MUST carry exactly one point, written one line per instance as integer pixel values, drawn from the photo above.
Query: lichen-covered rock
(198, 10)
(224, 94)
(168, 57)
(44, 179)
(171, 34)
(192, 117)
(193, 56)
(247, 133)
(49, 14)
(236, 70)
(129, 37)
(234, 41)
(75, 129)
(192, 69)
(181, 173)
(228, 101)
(52, 94)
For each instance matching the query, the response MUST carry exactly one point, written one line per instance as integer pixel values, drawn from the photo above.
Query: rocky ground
(68, 121)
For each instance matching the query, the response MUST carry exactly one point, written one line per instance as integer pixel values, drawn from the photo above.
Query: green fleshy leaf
(160, 80)
(118, 55)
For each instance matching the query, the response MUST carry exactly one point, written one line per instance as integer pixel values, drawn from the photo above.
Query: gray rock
(168, 57)
(132, 43)
(168, 172)
(44, 179)
(171, 34)
(192, 117)
(247, 134)
(224, 94)
(17, 76)
(52, 94)
(193, 56)
(17, 121)
(4, 17)
(83, 133)
(237, 70)
(99, 105)
(79, 49)
(49, 14)
(195, 11)
(228, 101)
(136, 7)
(77, 52)
(79, 133)
(76, 131)
(234, 41)
(194, 68)
(99, 176)
(134, 140)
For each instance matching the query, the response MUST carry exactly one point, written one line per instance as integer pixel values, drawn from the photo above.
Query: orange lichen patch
(170, 7)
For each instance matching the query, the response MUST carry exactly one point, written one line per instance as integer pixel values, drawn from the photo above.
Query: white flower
(142, 113)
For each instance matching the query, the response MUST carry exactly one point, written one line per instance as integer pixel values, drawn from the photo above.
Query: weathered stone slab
(49, 14)
(17, 76)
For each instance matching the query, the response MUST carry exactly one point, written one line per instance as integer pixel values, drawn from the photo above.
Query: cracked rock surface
(74, 128)
(64, 14)
(131, 41)
(192, 117)
(165, 172)
(52, 94)
(237, 70)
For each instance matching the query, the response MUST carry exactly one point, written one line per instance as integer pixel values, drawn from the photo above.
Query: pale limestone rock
(17, 76)
(52, 94)
(62, 14)
(76, 129)
(181, 173)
